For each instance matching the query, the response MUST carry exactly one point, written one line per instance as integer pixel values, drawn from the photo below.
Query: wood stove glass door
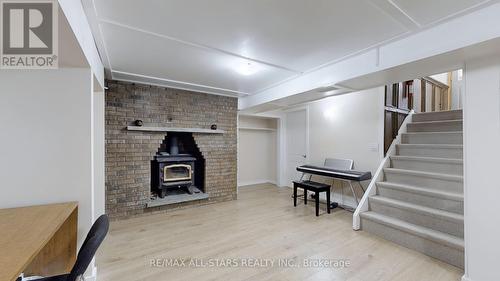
(177, 172)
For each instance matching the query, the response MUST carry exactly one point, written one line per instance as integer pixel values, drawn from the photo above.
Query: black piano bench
(315, 187)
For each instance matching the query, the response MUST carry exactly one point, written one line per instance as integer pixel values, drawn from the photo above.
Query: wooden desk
(38, 240)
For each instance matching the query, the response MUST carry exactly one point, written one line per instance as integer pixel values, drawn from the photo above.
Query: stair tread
(450, 216)
(425, 174)
(428, 159)
(438, 112)
(431, 145)
(443, 115)
(424, 232)
(433, 133)
(437, 121)
(423, 190)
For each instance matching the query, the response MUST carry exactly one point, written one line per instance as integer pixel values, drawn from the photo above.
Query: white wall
(348, 126)
(46, 139)
(98, 153)
(257, 151)
(482, 153)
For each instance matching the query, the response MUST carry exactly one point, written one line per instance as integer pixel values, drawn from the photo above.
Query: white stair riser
(436, 250)
(426, 166)
(428, 182)
(450, 126)
(422, 199)
(454, 153)
(437, 138)
(438, 116)
(455, 228)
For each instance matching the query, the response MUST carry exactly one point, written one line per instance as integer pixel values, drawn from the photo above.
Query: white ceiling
(199, 44)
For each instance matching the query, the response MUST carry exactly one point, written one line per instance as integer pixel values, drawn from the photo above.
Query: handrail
(435, 82)
(397, 110)
(379, 174)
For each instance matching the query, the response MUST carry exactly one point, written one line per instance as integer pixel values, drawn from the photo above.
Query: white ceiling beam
(91, 13)
(476, 27)
(162, 82)
(75, 15)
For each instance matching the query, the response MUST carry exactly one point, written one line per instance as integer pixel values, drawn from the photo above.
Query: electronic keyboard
(333, 173)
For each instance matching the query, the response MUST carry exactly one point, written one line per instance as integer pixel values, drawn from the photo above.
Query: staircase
(419, 203)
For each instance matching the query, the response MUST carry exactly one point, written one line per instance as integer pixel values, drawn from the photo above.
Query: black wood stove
(172, 172)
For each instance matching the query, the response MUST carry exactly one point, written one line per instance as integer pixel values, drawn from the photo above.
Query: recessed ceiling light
(246, 68)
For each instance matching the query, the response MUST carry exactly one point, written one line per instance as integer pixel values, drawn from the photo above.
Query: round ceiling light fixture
(246, 68)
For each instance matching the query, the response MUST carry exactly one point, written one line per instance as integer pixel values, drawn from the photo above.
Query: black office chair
(89, 247)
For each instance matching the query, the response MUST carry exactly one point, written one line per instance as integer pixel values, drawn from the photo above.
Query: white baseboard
(465, 278)
(254, 182)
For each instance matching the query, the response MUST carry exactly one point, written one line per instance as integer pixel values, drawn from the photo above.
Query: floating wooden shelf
(173, 129)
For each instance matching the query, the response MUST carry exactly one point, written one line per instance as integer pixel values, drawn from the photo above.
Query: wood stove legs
(162, 193)
(188, 189)
(193, 189)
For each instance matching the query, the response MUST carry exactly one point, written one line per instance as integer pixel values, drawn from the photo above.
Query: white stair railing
(379, 174)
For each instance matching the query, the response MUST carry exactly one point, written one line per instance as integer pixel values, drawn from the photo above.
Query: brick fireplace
(131, 151)
(177, 171)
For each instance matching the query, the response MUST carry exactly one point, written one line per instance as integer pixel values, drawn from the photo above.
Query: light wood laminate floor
(261, 224)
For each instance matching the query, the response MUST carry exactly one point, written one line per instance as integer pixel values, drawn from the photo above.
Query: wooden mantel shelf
(173, 129)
